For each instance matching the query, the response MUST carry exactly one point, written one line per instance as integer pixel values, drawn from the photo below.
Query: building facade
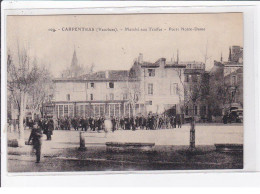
(227, 77)
(145, 88)
(98, 94)
(160, 84)
(196, 87)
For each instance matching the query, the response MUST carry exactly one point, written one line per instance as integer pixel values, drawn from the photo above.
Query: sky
(117, 50)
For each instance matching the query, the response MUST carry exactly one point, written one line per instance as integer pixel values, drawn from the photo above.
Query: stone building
(159, 84)
(97, 94)
(145, 88)
(227, 79)
(196, 86)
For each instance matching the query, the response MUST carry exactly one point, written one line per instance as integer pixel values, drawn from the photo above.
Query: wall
(80, 91)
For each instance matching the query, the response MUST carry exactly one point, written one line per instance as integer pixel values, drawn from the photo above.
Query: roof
(174, 65)
(148, 64)
(112, 75)
(231, 63)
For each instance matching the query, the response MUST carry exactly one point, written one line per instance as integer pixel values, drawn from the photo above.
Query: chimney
(229, 57)
(140, 58)
(106, 74)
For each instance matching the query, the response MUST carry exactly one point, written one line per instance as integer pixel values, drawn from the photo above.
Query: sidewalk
(205, 136)
(61, 153)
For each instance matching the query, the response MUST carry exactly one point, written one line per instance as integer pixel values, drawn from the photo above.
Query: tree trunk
(33, 112)
(21, 141)
(192, 131)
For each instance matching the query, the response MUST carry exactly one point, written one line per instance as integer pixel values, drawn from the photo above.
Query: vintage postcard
(124, 92)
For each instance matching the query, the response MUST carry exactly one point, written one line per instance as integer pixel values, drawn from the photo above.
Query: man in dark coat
(75, 123)
(62, 122)
(178, 120)
(90, 122)
(99, 124)
(150, 122)
(122, 123)
(126, 121)
(141, 122)
(35, 136)
(113, 120)
(86, 124)
(174, 121)
(68, 123)
(137, 122)
(160, 122)
(44, 126)
(132, 123)
(82, 123)
(50, 129)
(144, 123)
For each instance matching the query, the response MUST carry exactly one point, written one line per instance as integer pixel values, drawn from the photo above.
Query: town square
(125, 100)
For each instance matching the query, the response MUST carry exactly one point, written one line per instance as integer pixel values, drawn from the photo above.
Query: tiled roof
(231, 63)
(113, 75)
(148, 64)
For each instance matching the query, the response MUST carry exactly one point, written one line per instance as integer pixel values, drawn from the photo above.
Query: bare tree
(40, 91)
(133, 86)
(22, 75)
(133, 94)
(193, 91)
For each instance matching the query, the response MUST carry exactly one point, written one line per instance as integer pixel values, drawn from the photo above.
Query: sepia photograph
(124, 92)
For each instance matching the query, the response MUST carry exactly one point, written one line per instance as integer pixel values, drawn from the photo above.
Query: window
(111, 85)
(66, 110)
(194, 78)
(233, 95)
(102, 110)
(187, 111)
(151, 72)
(60, 110)
(117, 110)
(112, 109)
(96, 110)
(150, 89)
(203, 110)
(68, 97)
(124, 96)
(111, 96)
(187, 78)
(92, 85)
(91, 97)
(234, 80)
(174, 89)
(149, 102)
(71, 110)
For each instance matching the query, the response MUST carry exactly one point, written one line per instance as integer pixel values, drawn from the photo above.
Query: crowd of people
(150, 122)
(47, 126)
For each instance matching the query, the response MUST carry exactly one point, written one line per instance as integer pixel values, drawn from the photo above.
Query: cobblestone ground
(61, 154)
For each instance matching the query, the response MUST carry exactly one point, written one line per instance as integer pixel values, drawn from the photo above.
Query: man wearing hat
(36, 136)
